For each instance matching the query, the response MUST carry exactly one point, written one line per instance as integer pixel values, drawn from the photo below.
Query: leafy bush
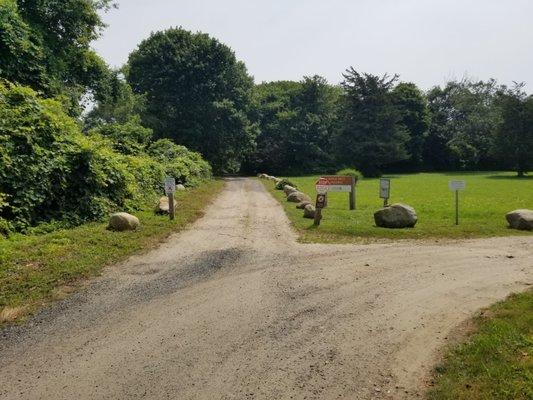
(283, 182)
(350, 172)
(188, 167)
(51, 173)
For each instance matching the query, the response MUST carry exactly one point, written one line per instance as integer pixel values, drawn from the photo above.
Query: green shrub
(283, 182)
(350, 172)
(52, 175)
(187, 167)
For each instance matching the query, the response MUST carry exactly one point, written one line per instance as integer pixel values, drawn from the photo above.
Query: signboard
(322, 186)
(170, 185)
(337, 183)
(384, 189)
(457, 185)
(321, 201)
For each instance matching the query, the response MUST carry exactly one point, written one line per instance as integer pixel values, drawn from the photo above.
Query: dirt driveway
(234, 308)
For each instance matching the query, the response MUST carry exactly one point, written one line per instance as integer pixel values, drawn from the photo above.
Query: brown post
(318, 216)
(171, 208)
(352, 195)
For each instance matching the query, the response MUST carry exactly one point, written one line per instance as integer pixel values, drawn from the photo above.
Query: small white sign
(170, 185)
(384, 188)
(457, 185)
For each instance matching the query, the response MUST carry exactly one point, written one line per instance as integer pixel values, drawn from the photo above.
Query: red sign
(338, 180)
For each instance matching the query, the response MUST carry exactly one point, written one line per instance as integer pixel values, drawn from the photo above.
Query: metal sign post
(456, 186)
(170, 189)
(384, 191)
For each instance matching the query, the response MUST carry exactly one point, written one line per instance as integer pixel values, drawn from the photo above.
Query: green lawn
(488, 197)
(496, 363)
(35, 269)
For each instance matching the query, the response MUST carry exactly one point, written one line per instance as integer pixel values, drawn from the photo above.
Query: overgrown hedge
(52, 172)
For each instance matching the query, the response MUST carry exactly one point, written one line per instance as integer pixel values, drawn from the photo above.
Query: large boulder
(396, 216)
(288, 189)
(302, 204)
(520, 219)
(123, 222)
(298, 197)
(309, 211)
(163, 207)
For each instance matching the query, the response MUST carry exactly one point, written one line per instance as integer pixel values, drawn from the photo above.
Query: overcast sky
(425, 41)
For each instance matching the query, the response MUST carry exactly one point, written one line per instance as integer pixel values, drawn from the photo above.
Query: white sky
(425, 41)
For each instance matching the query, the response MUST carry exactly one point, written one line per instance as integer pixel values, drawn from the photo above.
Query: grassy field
(496, 363)
(36, 269)
(488, 197)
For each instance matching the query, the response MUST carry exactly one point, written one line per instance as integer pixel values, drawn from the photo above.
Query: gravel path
(235, 308)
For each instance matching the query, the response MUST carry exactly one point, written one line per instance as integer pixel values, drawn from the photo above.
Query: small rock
(180, 187)
(123, 222)
(309, 211)
(520, 219)
(288, 189)
(163, 206)
(302, 204)
(298, 197)
(396, 216)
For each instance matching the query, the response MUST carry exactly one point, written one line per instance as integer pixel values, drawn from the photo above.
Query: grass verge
(483, 205)
(496, 363)
(36, 269)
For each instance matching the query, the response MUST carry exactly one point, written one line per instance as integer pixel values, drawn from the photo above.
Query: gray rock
(262, 176)
(520, 219)
(309, 211)
(288, 189)
(298, 197)
(396, 216)
(180, 187)
(163, 206)
(302, 204)
(123, 222)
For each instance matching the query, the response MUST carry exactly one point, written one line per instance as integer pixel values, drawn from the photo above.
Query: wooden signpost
(338, 183)
(334, 183)
(456, 186)
(170, 189)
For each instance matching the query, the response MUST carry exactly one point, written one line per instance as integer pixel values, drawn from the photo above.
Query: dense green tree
(296, 120)
(197, 94)
(514, 139)
(370, 136)
(465, 117)
(21, 52)
(45, 44)
(414, 117)
(120, 106)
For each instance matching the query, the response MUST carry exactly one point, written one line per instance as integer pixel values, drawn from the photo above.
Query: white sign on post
(384, 188)
(457, 185)
(170, 185)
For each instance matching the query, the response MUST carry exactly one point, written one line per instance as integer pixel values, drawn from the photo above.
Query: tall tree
(465, 117)
(296, 121)
(197, 94)
(370, 137)
(414, 117)
(45, 44)
(514, 139)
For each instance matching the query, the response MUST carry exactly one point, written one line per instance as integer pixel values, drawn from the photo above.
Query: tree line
(78, 138)
(197, 93)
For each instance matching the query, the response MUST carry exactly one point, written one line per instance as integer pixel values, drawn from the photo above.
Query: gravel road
(234, 308)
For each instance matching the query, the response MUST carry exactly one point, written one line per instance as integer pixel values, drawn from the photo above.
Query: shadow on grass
(511, 178)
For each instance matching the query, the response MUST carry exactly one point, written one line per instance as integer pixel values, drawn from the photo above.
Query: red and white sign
(334, 183)
(322, 186)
